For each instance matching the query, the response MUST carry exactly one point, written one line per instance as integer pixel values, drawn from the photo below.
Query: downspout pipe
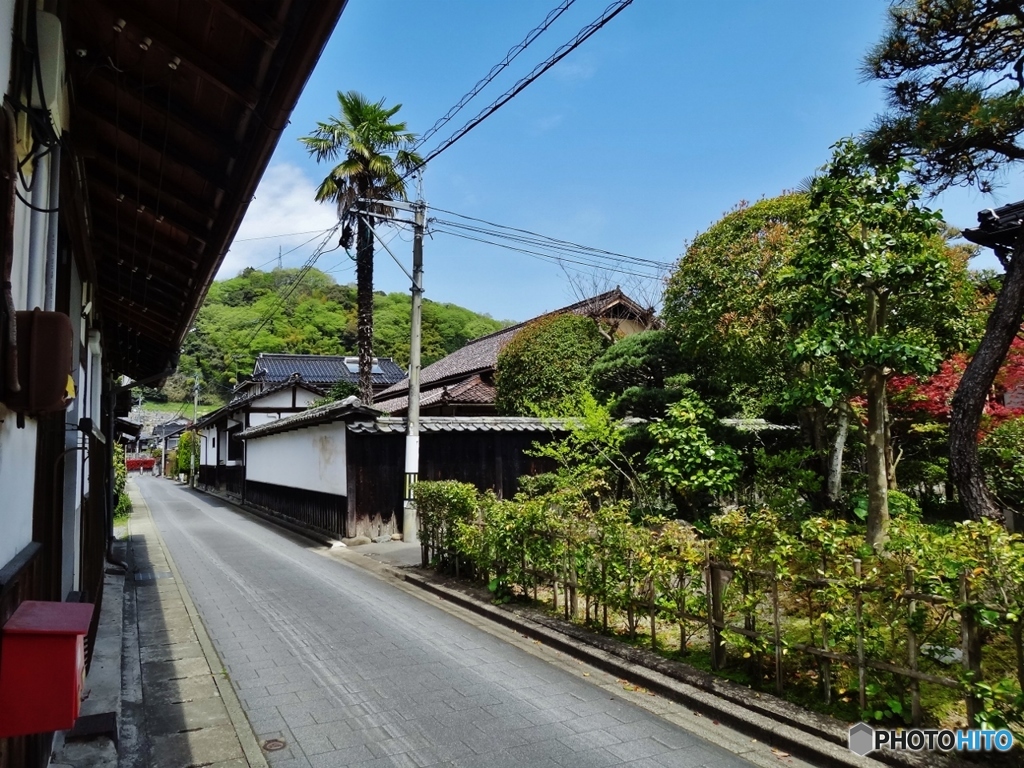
(38, 234)
(53, 203)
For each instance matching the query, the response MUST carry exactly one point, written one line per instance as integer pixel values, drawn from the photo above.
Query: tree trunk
(878, 493)
(834, 479)
(969, 401)
(364, 309)
(890, 459)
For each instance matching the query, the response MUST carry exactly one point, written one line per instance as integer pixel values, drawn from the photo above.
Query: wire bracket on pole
(385, 246)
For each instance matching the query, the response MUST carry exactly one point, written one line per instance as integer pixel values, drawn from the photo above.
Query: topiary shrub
(544, 369)
(1002, 457)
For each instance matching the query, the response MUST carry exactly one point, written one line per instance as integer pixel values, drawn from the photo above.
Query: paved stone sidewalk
(178, 709)
(346, 669)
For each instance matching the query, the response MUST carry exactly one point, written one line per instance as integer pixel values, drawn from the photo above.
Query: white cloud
(545, 124)
(283, 205)
(580, 67)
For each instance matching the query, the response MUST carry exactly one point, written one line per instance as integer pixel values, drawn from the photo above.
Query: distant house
(462, 384)
(221, 453)
(171, 432)
(321, 371)
(339, 469)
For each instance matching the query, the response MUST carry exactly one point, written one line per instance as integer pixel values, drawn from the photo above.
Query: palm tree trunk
(969, 401)
(364, 309)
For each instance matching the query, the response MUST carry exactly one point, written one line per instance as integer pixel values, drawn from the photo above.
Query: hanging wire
(510, 56)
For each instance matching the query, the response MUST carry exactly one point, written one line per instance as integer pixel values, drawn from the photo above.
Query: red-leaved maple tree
(933, 396)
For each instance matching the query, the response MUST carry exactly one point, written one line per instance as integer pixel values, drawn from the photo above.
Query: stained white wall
(282, 400)
(311, 458)
(207, 451)
(17, 446)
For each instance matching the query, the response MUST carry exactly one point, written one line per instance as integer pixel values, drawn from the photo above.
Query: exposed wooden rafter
(156, 97)
(133, 199)
(180, 155)
(204, 66)
(167, 194)
(261, 25)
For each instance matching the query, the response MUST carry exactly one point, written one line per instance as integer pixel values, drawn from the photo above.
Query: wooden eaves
(174, 115)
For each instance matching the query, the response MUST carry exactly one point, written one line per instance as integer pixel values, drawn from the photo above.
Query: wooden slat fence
(758, 613)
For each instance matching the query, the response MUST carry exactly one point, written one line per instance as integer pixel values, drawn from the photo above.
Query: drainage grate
(151, 575)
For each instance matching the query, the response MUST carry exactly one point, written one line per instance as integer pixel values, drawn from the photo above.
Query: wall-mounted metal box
(42, 667)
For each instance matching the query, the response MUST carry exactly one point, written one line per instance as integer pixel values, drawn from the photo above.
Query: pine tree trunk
(969, 401)
(878, 487)
(364, 309)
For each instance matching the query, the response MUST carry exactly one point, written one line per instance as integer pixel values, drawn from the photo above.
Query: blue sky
(635, 143)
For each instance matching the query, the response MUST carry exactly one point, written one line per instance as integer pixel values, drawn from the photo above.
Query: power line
(284, 234)
(559, 259)
(582, 36)
(483, 82)
(290, 250)
(298, 279)
(534, 238)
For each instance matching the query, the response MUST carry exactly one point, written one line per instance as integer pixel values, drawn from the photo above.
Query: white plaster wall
(6, 41)
(312, 458)
(256, 419)
(17, 446)
(207, 453)
(282, 399)
(17, 471)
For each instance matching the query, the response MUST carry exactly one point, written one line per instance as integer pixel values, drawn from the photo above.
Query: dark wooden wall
(376, 476)
(229, 478)
(323, 512)
(376, 470)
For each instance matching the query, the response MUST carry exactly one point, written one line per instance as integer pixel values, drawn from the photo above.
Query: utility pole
(410, 521)
(195, 437)
(279, 257)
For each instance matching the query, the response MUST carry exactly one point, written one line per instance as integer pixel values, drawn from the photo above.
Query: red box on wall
(42, 667)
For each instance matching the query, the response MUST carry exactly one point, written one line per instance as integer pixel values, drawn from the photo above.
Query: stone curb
(243, 730)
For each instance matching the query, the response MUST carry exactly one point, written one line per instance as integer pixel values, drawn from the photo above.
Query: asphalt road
(348, 669)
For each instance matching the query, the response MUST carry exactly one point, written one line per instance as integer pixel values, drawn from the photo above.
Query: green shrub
(545, 367)
(122, 505)
(1002, 457)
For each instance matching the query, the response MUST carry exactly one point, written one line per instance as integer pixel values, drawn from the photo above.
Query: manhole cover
(273, 745)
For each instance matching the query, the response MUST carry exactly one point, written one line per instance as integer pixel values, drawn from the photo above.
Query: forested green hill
(318, 316)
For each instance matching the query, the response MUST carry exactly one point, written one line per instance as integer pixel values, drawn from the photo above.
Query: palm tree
(374, 154)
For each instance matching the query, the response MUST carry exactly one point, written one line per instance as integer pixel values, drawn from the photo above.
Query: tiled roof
(240, 401)
(339, 410)
(171, 427)
(482, 354)
(472, 391)
(392, 425)
(323, 369)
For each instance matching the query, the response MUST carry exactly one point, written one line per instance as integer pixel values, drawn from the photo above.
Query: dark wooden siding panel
(322, 512)
(376, 470)
(376, 474)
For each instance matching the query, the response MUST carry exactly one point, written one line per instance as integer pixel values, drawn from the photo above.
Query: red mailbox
(42, 667)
